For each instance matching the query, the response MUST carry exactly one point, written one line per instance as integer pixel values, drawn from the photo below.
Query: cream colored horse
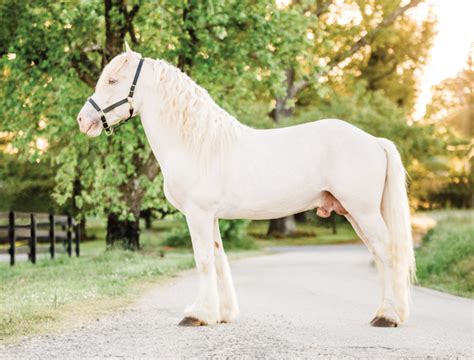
(217, 168)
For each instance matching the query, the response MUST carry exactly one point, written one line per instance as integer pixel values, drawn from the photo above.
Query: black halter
(109, 130)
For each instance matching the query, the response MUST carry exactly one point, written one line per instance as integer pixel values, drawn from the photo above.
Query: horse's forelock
(116, 64)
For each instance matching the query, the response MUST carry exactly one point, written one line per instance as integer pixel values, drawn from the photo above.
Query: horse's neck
(162, 138)
(179, 117)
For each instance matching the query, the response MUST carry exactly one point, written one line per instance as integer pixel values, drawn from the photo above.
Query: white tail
(396, 213)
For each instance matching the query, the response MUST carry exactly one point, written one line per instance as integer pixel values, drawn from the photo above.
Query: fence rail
(38, 228)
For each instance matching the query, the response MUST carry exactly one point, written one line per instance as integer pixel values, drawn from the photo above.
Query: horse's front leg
(228, 306)
(205, 310)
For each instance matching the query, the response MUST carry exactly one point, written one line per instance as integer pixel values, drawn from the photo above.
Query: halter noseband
(109, 129)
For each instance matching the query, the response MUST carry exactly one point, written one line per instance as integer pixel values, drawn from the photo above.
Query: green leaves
(52, 53)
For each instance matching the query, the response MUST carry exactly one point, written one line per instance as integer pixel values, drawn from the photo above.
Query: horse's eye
(112, 81)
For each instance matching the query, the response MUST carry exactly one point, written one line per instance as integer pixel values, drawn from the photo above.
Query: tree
(24, 186)
(446, 179)
(61, 42)
(356, 39)
(455, 95)
(51, 49)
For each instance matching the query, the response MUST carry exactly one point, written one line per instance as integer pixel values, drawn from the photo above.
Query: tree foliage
(356, 60)
(51, 59)
(445, 178)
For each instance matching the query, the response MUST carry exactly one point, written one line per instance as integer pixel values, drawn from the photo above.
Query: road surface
(311, 302)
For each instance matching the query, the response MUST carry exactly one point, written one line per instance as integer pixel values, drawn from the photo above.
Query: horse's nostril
(79, 119)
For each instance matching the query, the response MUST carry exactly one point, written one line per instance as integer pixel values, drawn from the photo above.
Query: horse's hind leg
(228, 306)
(373, 231)
(205, 310)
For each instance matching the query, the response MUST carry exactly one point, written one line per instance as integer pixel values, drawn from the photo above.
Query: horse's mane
(203, 124)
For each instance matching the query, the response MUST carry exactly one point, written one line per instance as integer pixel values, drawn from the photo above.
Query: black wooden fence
(28, 233)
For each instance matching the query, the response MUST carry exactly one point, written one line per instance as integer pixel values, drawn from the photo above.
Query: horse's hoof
(190, 321)
(380, 321)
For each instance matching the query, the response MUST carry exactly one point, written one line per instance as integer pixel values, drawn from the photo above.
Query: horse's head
(113, 100)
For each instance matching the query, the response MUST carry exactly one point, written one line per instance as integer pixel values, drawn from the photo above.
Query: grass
(53, 294)
(41, 297)
(307, 234)
(445, 261)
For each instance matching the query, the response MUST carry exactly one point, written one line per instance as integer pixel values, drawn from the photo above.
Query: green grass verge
(307, 234)
(46, 296)
(445, 261)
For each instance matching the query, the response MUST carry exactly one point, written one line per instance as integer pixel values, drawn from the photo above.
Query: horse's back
(318, 129)
(327, 138)
(306, 157)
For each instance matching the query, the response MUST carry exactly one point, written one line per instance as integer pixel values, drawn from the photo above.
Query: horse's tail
(396, 213)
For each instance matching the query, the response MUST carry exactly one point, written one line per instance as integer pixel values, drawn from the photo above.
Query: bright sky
(451, 45)
(455, 34)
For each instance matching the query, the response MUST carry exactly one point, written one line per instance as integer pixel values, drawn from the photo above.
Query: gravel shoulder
(298, 303)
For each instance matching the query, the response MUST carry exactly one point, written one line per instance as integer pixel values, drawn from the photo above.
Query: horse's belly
(271, 180)
(266, 201)
(260, 214)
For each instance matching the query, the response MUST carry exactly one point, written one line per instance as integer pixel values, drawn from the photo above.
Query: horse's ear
(127, 48)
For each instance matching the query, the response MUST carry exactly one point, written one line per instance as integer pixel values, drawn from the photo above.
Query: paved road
(299, 303)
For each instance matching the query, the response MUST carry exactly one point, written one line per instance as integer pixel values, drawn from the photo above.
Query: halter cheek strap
(109, 129)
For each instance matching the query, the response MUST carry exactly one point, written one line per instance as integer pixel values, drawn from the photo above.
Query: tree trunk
(189, 41)
(118, 22)
(82, 230)
(148, 224)
(333, 224)
(119, 19)
(124, 233)
(282, 227)
(115, 28)
(301, 217)
(147, 216)
(128, 231)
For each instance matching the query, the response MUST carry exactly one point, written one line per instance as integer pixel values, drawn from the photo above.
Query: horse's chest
(189, 192)
(174, 195)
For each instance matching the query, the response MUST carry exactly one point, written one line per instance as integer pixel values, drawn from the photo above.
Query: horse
(215, 167)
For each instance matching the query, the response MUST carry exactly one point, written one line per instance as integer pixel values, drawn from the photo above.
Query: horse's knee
(205, 261)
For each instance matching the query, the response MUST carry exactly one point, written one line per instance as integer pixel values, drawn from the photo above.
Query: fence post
(69, 235)
(52, 236)
(78, 238)
(11, 236)
(33, 239)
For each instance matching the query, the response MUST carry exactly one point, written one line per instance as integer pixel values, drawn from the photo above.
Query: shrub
(233, 233)
(446, 259)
